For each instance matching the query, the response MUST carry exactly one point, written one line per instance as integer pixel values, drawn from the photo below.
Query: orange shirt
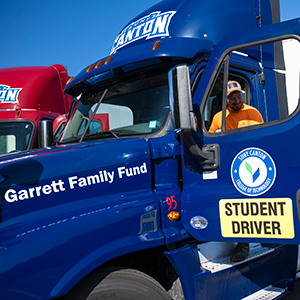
(246, 116)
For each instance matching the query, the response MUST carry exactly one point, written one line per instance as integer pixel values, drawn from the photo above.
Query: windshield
(136, 106)
(15, 136)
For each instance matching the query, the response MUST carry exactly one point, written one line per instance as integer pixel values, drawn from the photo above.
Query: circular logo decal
(253, 172)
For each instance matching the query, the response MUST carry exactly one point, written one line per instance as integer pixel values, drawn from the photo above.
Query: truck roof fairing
(184, 28)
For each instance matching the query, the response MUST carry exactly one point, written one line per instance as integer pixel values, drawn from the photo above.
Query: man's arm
(216, 122)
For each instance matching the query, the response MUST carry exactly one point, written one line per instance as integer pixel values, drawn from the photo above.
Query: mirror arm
(196, 150)
(208, 156)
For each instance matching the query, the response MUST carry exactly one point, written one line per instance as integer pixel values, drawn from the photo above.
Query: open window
(215, 101)
(268, 85)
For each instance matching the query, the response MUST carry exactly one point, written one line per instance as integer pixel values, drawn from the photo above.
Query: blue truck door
(254, 195)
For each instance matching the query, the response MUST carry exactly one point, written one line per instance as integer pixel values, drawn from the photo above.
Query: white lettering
(58, 186)
(11, 94)
(121, 171)
(258, 154)
(148, 27)
(111, 176)
(104, 176)
(152, 25)
(136, 170)
(82, 182)
(144, 168)
(120, 40)
(23, 195)
(129, 35)
(72, 181)
(243, 156)
(10, 196)
(2, 94)
(160, 24)
(38, 190)
(132, 171)
(93, 179)
(101, 176)
(138, 28)
(31, 192)
(47, 189)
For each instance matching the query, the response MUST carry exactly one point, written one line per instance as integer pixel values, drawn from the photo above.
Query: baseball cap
(233, 86)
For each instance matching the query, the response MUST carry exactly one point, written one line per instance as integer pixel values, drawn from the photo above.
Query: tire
(120, 284)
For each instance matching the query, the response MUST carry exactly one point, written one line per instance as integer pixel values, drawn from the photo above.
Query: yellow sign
(257, 218)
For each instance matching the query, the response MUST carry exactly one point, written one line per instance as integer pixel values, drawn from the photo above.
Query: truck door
(251, 192)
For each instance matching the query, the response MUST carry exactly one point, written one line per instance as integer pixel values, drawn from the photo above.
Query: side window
(59, 130)
(291, 54)
(215, 101)
(253, 88)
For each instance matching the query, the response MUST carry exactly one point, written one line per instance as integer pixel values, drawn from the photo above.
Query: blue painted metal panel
(193, 26)
(236, 282)
(200, 197)
(165, 153)
(71, 178)
(93, 206)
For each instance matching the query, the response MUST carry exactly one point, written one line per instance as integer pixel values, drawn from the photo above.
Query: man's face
(235, 101)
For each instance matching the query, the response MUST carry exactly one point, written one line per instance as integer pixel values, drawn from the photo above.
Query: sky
(74, 33)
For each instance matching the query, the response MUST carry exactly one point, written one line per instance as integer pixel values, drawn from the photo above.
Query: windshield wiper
(91, 118)
(98, 133)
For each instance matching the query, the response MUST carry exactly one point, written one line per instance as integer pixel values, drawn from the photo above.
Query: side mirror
(45, 134)
(183, 119)
(181, 106)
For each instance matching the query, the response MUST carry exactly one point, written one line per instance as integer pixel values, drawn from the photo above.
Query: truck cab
(152, 206)
(28, 96)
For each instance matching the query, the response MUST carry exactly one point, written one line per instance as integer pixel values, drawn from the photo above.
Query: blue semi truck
(152, 207)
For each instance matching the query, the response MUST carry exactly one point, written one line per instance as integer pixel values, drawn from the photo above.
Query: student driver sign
(257, 218)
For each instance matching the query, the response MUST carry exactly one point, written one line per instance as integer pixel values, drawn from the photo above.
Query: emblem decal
(253, 172)
(8, 95)
(153, 25)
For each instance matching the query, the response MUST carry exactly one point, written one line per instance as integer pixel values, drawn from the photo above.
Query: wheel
(119, 284)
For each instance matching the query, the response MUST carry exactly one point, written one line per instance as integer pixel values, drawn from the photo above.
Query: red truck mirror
(45, 134)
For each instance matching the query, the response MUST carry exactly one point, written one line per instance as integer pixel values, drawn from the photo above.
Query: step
(222, 263)
(267, 293)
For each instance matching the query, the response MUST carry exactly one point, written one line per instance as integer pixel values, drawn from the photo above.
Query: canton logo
(8, 95)
(153, 25)
(253, 172)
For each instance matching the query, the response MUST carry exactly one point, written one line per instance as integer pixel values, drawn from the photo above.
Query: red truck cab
(29, 95)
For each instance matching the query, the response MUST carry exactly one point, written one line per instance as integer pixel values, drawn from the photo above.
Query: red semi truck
(31, 98)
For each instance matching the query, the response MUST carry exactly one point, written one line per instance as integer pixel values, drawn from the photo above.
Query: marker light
(108, 60)
(70, 79)
(196, 123)
(90, 68)
(99, 63)
(199, 222)
(155, 46)
(18, 113)
(173, 215)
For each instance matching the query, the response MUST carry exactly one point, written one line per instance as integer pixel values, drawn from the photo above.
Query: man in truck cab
(238, 114)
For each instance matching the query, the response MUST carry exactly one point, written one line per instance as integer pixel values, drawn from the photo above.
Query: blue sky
(74, 33)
